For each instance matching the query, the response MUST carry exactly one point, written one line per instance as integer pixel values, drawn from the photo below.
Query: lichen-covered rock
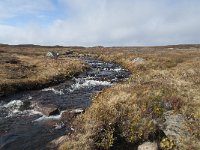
(175, 128)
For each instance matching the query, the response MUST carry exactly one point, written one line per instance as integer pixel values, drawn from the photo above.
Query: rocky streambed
(31, 119)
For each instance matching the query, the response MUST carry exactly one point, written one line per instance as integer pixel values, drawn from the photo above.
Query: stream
(22, 128)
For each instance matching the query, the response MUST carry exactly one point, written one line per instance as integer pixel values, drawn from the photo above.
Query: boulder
(46, 109)
(148, 146)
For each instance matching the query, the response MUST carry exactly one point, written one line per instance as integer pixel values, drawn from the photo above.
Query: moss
(105, 139)
(167, 144)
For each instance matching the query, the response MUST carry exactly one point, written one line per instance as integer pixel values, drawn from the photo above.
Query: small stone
(148, 146)
(138, 59)
(52, 55)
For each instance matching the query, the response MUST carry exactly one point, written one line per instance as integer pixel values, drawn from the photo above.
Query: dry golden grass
(23, 68)
(121, 117)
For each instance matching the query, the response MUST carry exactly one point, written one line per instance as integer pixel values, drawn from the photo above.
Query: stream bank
(23, 125)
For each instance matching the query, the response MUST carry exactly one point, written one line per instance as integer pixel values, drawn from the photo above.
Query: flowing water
(23, 128)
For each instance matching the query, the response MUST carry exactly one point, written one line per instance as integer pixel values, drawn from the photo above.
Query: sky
(100, 22)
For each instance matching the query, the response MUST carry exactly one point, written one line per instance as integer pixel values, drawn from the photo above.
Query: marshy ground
(159, 103)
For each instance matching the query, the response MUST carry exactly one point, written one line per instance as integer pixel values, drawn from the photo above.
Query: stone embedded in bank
(52, 55)
(138, 60)
(70, 114)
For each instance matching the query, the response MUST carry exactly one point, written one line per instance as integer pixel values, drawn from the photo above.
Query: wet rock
(69, 115)
(25, 106)
(148, 146)
(46, 109)
(49, 123)
(57, 142)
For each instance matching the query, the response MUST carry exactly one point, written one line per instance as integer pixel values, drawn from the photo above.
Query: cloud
(13, 8)
(105, 22)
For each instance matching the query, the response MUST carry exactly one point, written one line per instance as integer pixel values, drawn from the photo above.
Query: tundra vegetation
(160, 102)
(27, 67)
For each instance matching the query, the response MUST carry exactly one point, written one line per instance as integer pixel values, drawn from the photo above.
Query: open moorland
(160, 102)
(27, 67)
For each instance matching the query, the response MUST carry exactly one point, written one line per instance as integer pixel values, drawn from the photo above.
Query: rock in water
(69, 115)
(148, 146)
(47, 109)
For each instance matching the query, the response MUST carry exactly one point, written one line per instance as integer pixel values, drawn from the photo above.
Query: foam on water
(55, 117)
(45, 118)
(96, 63)
(30, 97)
(82, 83)
(58, 92)
(33, 112)
(117, 69)
(13, 104)
(13, 109)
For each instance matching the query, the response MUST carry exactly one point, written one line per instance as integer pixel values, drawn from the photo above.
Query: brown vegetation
(23, 68)
(160, 102)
